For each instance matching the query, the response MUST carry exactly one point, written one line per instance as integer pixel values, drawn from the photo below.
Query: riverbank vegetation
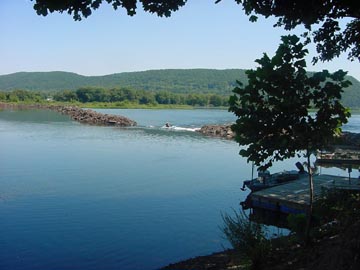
(96, 97)
(185, 82)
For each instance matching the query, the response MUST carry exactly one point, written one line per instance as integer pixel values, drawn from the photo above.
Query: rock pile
(223, 131)
(94, 118)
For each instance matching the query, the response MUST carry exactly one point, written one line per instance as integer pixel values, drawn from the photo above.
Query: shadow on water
(266, 217)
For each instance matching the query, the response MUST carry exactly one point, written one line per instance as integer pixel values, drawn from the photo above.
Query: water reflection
(33, 116)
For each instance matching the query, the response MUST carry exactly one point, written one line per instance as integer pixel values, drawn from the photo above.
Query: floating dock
(293, 197)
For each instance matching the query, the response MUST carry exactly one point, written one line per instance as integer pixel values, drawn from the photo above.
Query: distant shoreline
(114, 105)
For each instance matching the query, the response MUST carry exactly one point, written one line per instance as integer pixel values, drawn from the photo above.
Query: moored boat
(267, 180)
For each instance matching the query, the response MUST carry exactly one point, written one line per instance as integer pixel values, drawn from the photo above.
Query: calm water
(74, 196)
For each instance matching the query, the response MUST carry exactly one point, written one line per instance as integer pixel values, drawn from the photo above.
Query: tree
(66, 95)
(330, 39)
(84, 8)
(2, 96)
(274, 122)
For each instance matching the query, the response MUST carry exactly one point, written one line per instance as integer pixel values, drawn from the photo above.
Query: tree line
(118, 95)
(22, 96)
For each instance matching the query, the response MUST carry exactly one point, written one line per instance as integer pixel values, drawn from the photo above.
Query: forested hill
(172, 80)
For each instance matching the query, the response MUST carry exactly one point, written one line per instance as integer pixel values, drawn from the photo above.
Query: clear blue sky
(199, 35)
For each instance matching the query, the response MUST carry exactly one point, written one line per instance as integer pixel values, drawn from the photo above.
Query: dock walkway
(293, 197)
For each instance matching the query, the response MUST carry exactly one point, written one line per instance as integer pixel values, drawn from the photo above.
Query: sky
(200, 35)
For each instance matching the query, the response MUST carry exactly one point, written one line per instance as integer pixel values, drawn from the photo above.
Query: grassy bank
(117, 105)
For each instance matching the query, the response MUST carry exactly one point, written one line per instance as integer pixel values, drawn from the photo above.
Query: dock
(293, 197)
(344, 156)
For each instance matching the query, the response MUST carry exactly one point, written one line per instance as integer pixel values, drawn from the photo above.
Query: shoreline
(227, 259)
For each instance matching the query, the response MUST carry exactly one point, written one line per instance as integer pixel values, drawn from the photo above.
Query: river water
(74, 196)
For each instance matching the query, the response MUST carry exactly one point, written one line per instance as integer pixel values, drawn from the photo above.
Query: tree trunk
(311, 200)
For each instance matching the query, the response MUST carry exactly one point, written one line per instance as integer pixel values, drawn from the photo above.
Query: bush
(247, 237)
(340, 205)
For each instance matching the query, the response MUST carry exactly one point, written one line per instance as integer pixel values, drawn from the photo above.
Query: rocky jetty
(223, 131)
(347, 139)
(77, 114)
(94, 118)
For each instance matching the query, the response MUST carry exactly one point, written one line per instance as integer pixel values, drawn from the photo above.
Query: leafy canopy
(84, 8)
(274, 121)
(330, 37)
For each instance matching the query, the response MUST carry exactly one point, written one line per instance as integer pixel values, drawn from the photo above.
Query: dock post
(349, 171)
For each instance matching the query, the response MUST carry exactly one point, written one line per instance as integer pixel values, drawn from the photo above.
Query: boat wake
(176, 128)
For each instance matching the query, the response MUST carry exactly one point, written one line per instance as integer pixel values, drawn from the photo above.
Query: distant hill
(173, 80)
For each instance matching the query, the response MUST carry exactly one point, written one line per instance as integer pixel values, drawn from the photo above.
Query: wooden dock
(293, 197)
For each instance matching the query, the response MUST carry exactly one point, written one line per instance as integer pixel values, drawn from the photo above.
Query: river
(74, 196)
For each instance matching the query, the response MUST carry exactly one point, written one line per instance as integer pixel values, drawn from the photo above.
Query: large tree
(333, 25)
(274, 121)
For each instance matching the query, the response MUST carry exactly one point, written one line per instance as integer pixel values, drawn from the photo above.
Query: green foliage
(2, 96)
(197, 81)
(247, 237)
(273, 109)
(338, 205)
(42, 81)
(118, 97)
(332, 36)
(22, 96)
(91, 94)
(83, 9)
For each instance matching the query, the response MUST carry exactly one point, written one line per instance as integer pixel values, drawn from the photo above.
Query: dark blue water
(82, 197)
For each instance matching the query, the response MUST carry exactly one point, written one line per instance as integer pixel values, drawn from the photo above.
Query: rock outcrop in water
(94, 118)
(348, 139)
(223, 131)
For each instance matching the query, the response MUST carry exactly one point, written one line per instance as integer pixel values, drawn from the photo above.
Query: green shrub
(339, 205)
(247, 237)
